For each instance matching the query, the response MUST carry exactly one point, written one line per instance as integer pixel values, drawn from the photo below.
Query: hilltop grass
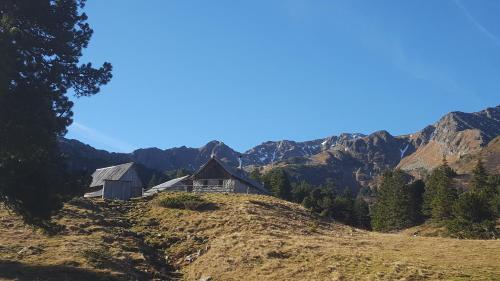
(247, 237)
(185, 201)
(262, 238)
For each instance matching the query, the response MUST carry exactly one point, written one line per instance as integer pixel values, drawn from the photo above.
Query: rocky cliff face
(275, 151)
(454, 136)
(348, 159)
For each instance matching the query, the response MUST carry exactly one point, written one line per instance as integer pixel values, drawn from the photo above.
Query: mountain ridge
(350, 158)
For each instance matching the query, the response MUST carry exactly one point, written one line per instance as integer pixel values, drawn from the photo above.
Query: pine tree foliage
(362, 213)
(476, 210)
(439, 193)
(417, 190)
(301, 191)
(479, 180)
(494, 181)
(393, 209)
(256, 175)
(473, 217)
(41, 43)
(279, 184)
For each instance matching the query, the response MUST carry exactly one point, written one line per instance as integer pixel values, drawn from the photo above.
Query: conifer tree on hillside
(482, 182)
(342, 208)
(473, 216)
(320, 200)
(278, 183)
(479, 180)
(41, 43)
(494, 181)
(325, 201)
(417, 189)
(362, 213)
(392, 210)
(301, 191)
(475, 211)
(439, 194)
(256, 175)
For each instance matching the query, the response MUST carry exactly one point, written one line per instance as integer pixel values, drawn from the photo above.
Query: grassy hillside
(232, 237)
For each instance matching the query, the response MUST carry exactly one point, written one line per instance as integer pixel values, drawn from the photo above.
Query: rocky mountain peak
(349, 158)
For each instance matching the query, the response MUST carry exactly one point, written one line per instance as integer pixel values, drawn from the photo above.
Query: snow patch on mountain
(403, 151)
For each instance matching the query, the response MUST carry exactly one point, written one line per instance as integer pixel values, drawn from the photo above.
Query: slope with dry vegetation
(228, 237)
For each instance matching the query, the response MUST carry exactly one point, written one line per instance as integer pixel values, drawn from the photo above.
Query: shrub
(185, 201)
(465, 229)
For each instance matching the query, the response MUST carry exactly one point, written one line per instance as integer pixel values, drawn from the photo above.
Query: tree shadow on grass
(25, 272)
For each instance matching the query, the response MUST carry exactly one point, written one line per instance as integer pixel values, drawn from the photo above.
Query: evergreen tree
(439, 194)
(472, 216)
(417, 189)
(320, 200)
(494, 182)
(41, 43)
(278, 183)
(256, 174)
(475, 211)
(342, 208)
(479, 180)
(482, 182)
(392, 210)
(362, 213)
(301, 191)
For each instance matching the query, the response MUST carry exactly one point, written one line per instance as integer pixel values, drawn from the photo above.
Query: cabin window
(221, 182)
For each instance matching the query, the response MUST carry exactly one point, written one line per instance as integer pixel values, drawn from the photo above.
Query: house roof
(239, 174)
(165, 185)
(109, 173)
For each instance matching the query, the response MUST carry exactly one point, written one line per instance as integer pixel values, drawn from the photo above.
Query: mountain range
(350, 159)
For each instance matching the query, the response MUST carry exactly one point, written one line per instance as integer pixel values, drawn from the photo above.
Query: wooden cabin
(216, 177)
(116, 182)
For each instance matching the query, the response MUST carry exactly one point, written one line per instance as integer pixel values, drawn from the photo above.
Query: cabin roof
(109, 173)
(239, 174)
(165, 185)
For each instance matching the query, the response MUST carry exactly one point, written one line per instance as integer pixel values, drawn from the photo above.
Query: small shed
(116, 182)
(179, 184)
(215, 176)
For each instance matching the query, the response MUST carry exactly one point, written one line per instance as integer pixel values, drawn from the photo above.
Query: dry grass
(96, 244)
(247, 237)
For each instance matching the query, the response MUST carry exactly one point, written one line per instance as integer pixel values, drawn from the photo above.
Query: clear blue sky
(244, 72)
